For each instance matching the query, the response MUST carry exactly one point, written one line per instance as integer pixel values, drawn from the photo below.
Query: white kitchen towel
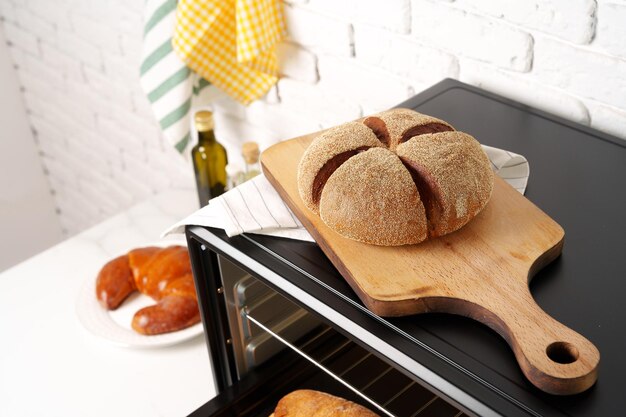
(256, 207)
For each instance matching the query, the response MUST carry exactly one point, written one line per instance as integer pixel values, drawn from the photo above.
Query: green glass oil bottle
(209, 159)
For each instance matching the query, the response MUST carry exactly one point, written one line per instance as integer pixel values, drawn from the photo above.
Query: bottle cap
(204, 120)
(250, 152)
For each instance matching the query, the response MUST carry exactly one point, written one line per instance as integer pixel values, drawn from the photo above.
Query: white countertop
(50, 365)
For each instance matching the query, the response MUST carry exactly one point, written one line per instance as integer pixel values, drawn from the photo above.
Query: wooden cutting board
(480, 271)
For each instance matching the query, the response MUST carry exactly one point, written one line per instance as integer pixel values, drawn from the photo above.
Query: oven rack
(379, 385)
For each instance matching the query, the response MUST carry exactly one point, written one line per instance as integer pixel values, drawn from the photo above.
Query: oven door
(275, 343)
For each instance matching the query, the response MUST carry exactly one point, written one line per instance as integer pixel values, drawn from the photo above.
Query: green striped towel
(168, 83)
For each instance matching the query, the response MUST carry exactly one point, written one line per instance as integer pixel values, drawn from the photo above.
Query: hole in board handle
(562, 352)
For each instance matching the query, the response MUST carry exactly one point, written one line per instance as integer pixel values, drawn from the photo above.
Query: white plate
(114, 326)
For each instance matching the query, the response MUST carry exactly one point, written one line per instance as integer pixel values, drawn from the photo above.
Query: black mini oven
(279, 317)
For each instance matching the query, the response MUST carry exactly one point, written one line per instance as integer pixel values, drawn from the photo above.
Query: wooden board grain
(480, 271)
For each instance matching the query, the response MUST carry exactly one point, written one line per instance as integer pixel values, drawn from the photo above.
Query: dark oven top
(578, 177)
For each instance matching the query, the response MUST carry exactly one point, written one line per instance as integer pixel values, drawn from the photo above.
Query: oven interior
(279, 346)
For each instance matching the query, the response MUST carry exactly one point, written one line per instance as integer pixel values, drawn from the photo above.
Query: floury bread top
(394, 178)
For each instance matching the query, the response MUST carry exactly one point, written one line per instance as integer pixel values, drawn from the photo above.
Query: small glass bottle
(209, 159)
(235, 175)
(250, 152)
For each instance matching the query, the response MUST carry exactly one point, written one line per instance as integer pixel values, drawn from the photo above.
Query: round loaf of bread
(398, 177)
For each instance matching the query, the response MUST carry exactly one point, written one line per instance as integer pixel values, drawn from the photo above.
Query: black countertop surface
(578, 177)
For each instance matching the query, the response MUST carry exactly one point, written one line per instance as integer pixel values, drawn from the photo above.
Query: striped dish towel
(255, 207)
(231, 43)
(165, 79)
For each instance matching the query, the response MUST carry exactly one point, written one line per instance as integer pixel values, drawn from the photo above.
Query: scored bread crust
(461, 172)
(309, 403)
(334, 141)
(397, 177)
(372, 197)
(399, 121)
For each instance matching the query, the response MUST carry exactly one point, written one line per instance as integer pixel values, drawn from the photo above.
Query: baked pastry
(161, 273)
(309, 403)
(398, 177)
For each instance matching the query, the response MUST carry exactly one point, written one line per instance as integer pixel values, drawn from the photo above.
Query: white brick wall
(318, 103)
(318, 31)
(611, 33)
(78, 63)
(373, 89)
(393, 15)
(20, 38)
(525, 91)
(403, 56)
(580, 71)
(470, 35)
(571, 20)
(297, 63)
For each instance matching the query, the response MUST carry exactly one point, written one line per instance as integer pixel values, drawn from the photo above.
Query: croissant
(163, 274)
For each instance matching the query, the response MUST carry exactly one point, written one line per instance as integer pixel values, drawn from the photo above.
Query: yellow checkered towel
(231, 43)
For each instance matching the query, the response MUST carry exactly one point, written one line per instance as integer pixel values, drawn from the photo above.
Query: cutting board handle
(552, 356)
